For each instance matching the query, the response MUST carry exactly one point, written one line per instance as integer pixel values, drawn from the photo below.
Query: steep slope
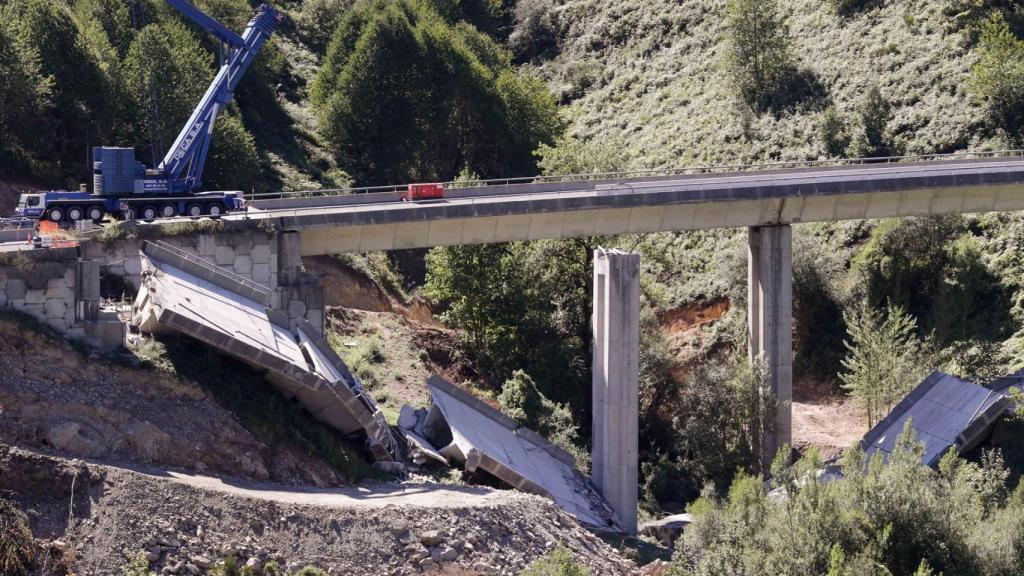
(649, 76)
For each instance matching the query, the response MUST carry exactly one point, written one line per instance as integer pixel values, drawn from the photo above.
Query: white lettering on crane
(196, 128)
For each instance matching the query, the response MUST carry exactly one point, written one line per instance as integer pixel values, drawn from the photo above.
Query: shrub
(272, 568)
(536, 29)
(318, 20)
(557, 563)
(757, 56)
(522, 401)
(850, 6)
(832, 132)
(997, 79)
(311, 571)
(874, 139)
(17, 547)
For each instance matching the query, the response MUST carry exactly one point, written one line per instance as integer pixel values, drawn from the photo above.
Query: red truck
(423, 192)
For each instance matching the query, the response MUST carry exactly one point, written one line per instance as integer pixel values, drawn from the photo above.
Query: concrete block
(16, 289)
(57, 324)
(76, 333)
(260, 254)
(36, 310)
(17, 304)
(56, 308)
(243, 265)
(224, 256)
(3, 299)
(261, 273)
(35, 297)
(133, 265)
(316, 319)
(56, 288)
(242, 243)
(207, 246)
(296, 309)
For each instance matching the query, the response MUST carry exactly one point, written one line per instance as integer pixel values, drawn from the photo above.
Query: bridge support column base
(616, 370)
(770, 324)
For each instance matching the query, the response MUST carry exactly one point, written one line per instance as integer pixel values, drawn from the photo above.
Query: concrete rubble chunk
(483, 439)
(184, 294)
(668, 529)
(945, 411)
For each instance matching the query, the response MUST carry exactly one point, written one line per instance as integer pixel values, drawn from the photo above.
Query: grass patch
(275, 420)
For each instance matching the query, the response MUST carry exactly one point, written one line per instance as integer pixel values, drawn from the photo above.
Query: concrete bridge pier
(616, 381)
(770, 323)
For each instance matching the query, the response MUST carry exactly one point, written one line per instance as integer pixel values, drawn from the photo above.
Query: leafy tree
(757, 57)
(318, 20)
(881, 360)
(163, 55)
(997, 79)
(24, 103)
(536, 29)
(832, 132)
(47, 34)
(405, 94)
(233, 162)
(875, 139)
(521, 400)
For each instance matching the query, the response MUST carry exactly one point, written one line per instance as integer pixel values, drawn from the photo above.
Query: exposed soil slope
(189, 522)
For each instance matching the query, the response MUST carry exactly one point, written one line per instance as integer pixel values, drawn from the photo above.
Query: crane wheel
(148, 213)
(75, 213)
(194, 210)
(168, 211)
(95, 213)
(214, 210)
(54, 214)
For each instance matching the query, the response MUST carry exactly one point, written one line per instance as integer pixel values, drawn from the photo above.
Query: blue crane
(123, 187)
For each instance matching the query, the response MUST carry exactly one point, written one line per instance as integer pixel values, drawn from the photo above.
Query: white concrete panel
(947, 201)
(915, 203)
(979, 200)
(679, 217)
(746, 213)
(851, 207)
(546, 225)
(513, 228)
(646, 219)
(377, 237)
(314, 242)
(445, 232)
(818, 209)
(883, 205)
(479, 230)
(611, 222)
(412, 235)
(1009, 198)
(710, 215)
(579, 223)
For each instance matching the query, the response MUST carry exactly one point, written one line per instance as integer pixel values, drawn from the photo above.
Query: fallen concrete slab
(185, 294)
(946, 412)
(466, 431)
(667, 530)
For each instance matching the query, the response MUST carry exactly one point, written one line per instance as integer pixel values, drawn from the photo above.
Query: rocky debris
(186, 529)
(55, 397)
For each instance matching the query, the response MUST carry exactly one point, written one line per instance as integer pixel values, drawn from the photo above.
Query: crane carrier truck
(124, 188)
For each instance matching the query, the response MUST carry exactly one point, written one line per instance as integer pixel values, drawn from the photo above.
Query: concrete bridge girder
(452, 226)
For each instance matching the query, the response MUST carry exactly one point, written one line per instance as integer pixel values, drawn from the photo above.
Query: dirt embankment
(349, 288)
(184, 524)
(54, 396)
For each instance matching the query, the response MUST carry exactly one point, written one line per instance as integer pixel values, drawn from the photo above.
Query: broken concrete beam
(945, 411)
(668, 529)
(486, 440)
(186, 294)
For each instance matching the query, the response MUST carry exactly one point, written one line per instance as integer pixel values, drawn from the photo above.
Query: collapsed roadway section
(184, 294)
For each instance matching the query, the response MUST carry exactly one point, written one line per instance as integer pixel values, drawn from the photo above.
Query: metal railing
(672, 171)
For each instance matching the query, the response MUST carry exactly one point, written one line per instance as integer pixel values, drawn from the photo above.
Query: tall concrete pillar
(616, 381)
(770, 323)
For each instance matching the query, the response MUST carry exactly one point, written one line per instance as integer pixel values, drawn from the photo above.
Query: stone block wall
(42, 285)
(269, 259)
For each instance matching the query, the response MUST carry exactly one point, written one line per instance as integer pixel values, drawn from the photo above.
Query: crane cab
(30, 205)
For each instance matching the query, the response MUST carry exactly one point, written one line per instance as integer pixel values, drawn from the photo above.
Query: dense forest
(370, 92)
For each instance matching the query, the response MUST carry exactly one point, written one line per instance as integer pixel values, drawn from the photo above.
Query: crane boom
(193, 142)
